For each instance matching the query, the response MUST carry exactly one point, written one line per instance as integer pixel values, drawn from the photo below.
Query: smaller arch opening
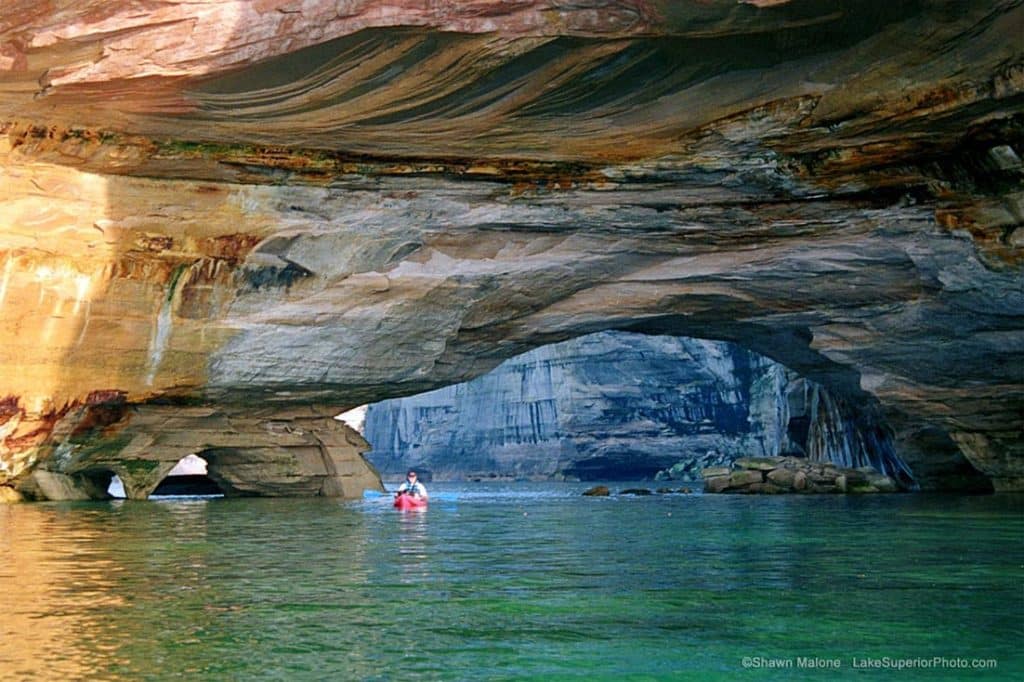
(96, 482)
(188, 478)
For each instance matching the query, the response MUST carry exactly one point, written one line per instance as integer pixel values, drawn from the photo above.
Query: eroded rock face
(624, 406)
(256, 453)
(208, 203)
(604, 406)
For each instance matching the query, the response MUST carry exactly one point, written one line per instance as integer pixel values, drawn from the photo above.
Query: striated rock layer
(623, 406)
(260, 207)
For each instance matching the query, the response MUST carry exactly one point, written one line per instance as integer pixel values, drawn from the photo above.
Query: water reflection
(56, 584)
(111, 589)
(513, 585)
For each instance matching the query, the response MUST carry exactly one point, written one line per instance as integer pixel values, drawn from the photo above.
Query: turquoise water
(514, 581)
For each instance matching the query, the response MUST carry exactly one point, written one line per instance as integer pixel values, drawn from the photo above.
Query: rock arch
(616, 404)
(163, 254)
(189, 477)
(295, 453)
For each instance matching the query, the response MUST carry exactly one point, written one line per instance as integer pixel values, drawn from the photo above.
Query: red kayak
(410, 502)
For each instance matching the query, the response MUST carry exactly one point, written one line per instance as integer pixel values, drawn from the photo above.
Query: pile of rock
(689, 469)
(793, 475)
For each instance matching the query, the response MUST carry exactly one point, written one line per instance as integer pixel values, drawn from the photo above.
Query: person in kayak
(412, 487)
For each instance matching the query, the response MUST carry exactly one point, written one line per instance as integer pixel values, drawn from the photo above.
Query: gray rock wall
(618, 405)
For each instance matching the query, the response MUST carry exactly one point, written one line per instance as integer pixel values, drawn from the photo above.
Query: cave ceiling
(294, 202)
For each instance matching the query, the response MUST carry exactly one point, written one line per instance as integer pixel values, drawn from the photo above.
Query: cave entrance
(627, 406)
(188, 478)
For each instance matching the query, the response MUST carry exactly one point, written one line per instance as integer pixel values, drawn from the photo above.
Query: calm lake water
(512, 581)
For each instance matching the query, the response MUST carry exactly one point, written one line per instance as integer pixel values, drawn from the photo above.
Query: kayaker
(412, 487)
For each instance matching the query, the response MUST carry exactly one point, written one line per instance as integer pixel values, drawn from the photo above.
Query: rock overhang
(401, 199)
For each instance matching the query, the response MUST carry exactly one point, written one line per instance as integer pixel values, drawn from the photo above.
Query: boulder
(764, 488)
(8, 495)
(635, 491)
(881, 482)
(597, 491)
(783, 477)
(795, 475)
(716, 484)
(800, 481)
(738, 479)
(822, 476)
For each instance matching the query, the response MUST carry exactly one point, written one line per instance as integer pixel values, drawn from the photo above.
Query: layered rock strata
(605, 406)
(775, 475)
(260, 206)
(615, 405)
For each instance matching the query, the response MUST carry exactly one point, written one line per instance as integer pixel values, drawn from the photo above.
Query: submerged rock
(597, 491)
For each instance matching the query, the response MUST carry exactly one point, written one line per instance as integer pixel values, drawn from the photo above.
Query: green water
(517, 581)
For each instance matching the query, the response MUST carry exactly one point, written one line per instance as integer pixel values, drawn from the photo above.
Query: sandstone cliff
(252, 207)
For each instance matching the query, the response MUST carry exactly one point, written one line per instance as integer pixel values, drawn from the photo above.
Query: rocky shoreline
(778, 475)
(789, 475)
